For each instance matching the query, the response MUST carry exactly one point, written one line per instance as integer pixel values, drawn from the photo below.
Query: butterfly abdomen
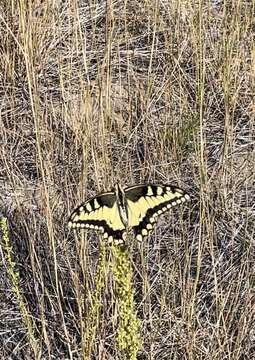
(122, 204)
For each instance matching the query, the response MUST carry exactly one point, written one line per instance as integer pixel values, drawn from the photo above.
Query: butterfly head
(118, 188)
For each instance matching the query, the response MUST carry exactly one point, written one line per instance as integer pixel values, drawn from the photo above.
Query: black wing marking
(146, 202)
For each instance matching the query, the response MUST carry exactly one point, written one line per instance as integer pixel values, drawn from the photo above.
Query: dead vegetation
(140, 91)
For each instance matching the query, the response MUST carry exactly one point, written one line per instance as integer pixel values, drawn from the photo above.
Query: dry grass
(155, 90)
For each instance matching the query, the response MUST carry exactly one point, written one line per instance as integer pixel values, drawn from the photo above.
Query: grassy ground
(92, 91)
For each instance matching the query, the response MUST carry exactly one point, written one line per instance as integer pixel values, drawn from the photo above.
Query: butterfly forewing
(146, 202)
(100, 213)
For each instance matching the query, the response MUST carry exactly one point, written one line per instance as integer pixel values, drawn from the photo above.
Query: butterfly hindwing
(146, 202)
(100, 213)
